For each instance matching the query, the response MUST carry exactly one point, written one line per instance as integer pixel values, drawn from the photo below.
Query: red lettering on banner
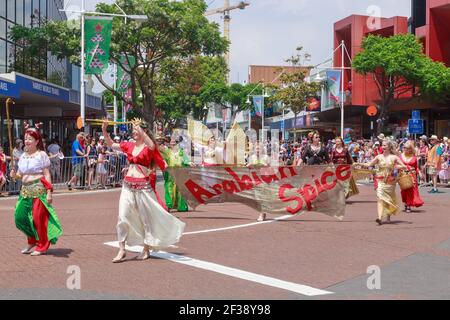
(256, 179)
(269, 178)
(308, 193)
(283, 173)
(325, 184)
(319, 187)
(245, 183)
(217, 188)
(283, 198)
(230, 187)
(340, 172)
(198, 192)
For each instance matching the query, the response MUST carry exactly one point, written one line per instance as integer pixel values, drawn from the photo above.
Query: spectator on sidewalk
(434, 161)
(55, 154)
(3, 159)
(78, 157)
(92, 153)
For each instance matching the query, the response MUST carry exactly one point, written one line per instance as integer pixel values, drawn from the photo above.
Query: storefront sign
(9, 89)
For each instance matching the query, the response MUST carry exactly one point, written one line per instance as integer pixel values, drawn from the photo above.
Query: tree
(400, 69)
(190, 86)
(294, 92)
(173, 30)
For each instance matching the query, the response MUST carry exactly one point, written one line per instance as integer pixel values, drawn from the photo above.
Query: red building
(352, 31)
(435, 34)
(430, 22)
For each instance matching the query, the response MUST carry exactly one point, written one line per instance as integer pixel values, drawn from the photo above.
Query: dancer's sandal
(120, 257)
(27, 250)
(38, 253)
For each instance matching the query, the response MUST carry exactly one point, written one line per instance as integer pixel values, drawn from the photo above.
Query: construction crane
(225, 10)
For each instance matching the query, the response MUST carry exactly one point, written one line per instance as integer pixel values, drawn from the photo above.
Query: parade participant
(315, 153)
(434, 161)
(175, 157)
(212, 154)
(142, 220)
(387, 162)
(262, 161)
(341, 155)
(34, 214)
(411, 197)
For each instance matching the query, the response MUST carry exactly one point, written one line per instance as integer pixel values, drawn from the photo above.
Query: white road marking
(239, 226)
(232, 272)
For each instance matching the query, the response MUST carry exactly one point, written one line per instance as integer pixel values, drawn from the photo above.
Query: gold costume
(386, 189)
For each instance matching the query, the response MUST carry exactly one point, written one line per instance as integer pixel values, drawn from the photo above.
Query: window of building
(19, 12)
(36, 13)
(43, 10)
(2, 28)
(11, 10)
(2, 9)
(28, 11)
(10, 56)
(2, 56)
(9, 25)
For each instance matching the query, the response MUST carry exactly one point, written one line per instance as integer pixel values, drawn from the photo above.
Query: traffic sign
(123, 128)
(415, 126)
(416, 114)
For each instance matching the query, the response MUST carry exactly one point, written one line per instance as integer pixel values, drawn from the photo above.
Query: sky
(268, 31)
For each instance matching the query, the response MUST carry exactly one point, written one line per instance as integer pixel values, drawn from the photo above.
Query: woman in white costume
(142, 220)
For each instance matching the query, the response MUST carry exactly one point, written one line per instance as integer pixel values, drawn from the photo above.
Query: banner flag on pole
(258, 103)
(97, 43)
(123, 76)
(334, 84)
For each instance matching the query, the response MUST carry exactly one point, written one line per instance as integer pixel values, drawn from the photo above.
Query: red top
(2, 164)
(411, 164)
(145, 157)
(342, 157)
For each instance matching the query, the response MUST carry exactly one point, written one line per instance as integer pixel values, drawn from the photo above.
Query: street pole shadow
(60, 253)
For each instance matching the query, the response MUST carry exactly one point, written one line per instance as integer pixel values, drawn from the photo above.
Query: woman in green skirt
(34, 214)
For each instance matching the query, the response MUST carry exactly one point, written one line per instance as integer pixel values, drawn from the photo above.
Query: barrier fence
(91, 173)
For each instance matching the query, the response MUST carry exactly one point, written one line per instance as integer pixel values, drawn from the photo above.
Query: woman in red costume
(142, 220)
(411, 197)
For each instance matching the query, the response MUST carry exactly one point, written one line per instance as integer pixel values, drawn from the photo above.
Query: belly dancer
(142, 220)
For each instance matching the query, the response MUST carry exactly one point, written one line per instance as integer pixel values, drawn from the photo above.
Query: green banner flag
(123, 76)
(97, 41)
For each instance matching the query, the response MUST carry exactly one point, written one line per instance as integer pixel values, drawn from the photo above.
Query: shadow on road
(60, 253)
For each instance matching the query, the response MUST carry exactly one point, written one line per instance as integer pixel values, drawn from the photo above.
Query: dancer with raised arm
(34, 214)
(142, 220)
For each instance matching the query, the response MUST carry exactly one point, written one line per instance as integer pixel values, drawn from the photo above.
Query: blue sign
(123, 128)
(416, 126)
(282, 125)
(416, 114)
(42, 88)
(9, 89)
